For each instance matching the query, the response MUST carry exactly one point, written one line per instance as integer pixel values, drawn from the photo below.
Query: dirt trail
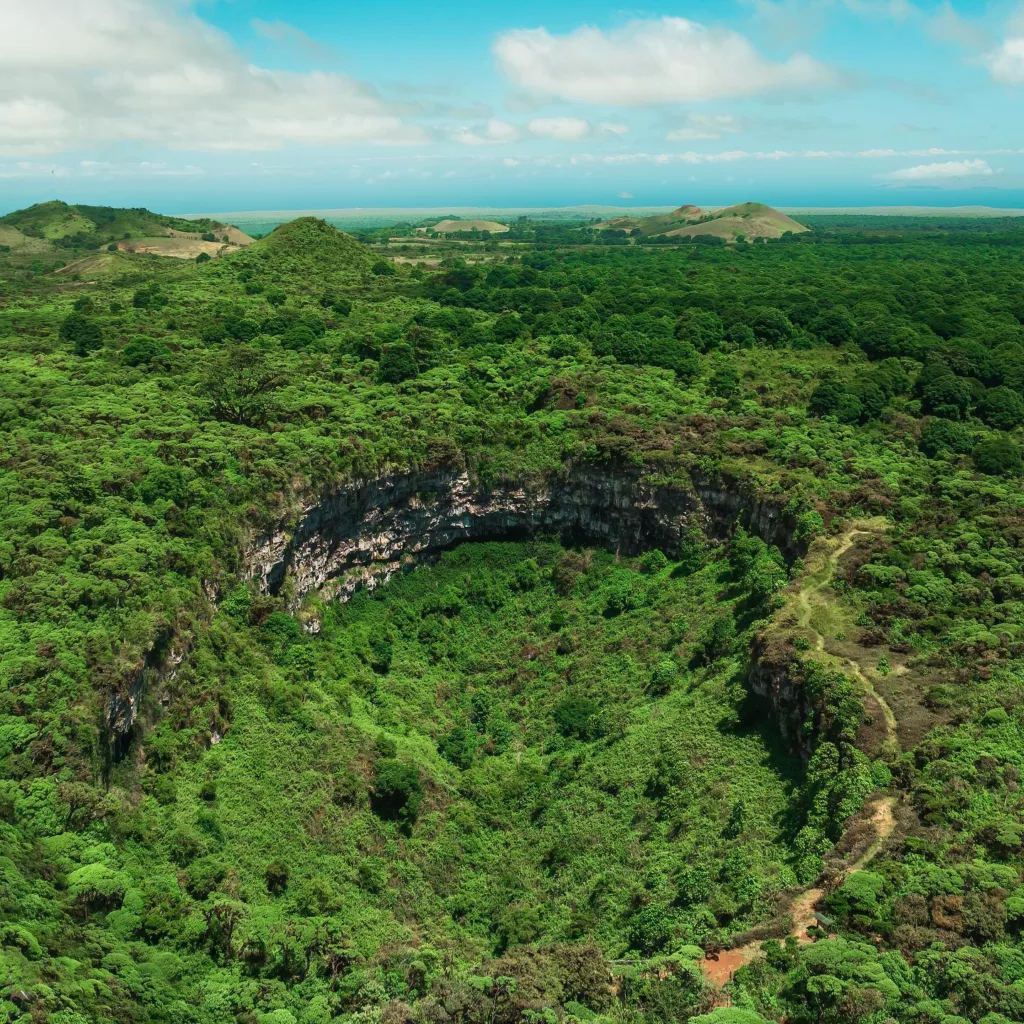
(801, 907)
(811, 596)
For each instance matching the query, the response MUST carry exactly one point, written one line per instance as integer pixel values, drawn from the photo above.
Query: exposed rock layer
(364, 532)
(776, 675)
(370, 527)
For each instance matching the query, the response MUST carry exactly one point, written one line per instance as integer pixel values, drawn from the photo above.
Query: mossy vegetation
(527, 782)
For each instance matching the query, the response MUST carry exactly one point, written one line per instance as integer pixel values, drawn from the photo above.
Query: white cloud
(77, 73)
(953, 169)
(649, 61)
(494, 133)
(1006, 63)
(705, 126)
(948, 171)
(625, 195)
(614, 127)
(510, 161)
(565, 129)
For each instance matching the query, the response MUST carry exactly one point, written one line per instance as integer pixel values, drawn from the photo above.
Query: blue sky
(220, 105)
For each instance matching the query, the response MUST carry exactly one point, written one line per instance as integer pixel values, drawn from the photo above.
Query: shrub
(203, 257)
(577, 718)
(771, 327)
(277, 875)
(662, 678)
(835, 326)
(724, 382)
(82, 332)
(149, 296)
(297, 337)
(702, 328)
(459, 747)
(397, 791)
(164, 482)
(998, 457)
(1002, 408)
(280, 630)
(946, 395)
(653, 562)
(240, 328)
(827, 396)
(670, 354)
(741, 335)
(144, 352)
(508, 327)
(940, 436)
(383, 268)
(397, 363)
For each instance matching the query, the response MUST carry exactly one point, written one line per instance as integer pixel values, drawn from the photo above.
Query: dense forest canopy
(530, 780)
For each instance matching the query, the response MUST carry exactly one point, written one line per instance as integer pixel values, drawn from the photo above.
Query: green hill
(308, 246)
(749, 220)
(87, 227)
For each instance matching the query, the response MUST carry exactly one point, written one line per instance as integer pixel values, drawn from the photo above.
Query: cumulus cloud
(1006, 63)
(82, 72)
(949, 171)
(614, 127)
(650, 61)
(494, 133)
(565, 129)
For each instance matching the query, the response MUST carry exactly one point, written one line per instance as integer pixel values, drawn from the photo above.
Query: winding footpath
(812, 595)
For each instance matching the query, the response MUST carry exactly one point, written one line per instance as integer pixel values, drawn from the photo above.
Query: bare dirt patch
(872, 829)
(179, 247)
(453, 226)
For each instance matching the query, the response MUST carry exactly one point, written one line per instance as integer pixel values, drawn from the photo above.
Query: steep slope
(307, 247)
(657, 224)
(19, 242)
(749, 220)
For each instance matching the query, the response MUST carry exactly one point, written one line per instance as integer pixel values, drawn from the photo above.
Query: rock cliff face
(363, 533)
(777, 676)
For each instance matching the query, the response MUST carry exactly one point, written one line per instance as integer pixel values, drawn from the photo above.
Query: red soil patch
(719, 971)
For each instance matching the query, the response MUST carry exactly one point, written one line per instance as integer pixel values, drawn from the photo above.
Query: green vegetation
(528, 782)
(90, 227)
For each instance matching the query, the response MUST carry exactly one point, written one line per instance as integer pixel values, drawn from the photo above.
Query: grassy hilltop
(746, 220)
(139, 230)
